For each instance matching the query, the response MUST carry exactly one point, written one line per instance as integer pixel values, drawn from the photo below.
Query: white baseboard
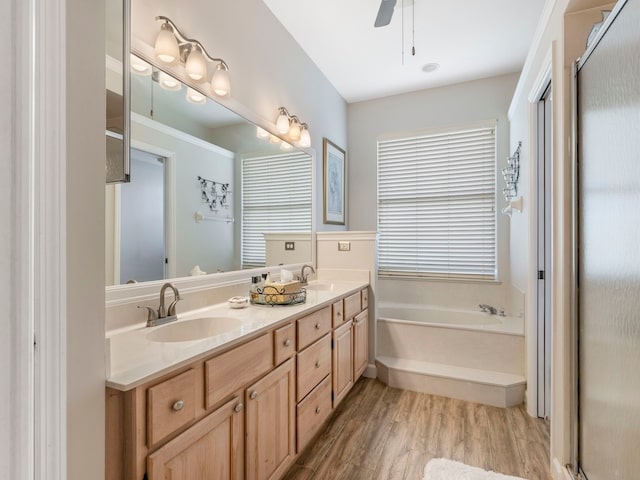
(371, 371)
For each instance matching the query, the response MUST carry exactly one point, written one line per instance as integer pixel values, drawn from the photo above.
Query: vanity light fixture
(194, 96)
(167, 82)
(139, 66)
(261, 133)
(291, 125)
(173, 46)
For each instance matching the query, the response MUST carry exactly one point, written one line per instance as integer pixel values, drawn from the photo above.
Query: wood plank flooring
(380, 433)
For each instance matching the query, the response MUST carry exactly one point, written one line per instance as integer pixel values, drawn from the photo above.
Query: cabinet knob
(318, 364)
(317, 326)
(339, 314)
(253, 395)
(287, 342)
(238, 408)
(317, 409)
(177, 406)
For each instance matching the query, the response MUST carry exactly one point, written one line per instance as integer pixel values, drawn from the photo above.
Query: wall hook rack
(214, 194)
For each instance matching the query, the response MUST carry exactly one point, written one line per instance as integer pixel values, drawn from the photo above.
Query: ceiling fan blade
(385, 13)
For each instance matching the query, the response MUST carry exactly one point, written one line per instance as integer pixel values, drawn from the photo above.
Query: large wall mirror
(209, 191)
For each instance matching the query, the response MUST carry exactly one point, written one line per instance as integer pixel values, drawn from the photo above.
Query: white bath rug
(443, 469)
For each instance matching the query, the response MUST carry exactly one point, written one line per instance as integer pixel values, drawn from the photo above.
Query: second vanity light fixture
(291, 124)
(172, 46)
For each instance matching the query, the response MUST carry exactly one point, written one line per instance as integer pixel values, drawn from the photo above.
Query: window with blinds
(436, 205)
(276, 197)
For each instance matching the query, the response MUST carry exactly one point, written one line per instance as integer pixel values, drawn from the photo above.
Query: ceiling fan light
(196, 66)
(166, 48)
(220, 83)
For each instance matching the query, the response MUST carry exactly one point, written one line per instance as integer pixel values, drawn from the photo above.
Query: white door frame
(541, 298)
(38, 304)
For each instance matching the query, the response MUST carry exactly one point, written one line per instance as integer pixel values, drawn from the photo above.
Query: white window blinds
(436, 205)
(276, 197)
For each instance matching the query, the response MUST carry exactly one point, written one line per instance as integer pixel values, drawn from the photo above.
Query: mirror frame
(128, 293)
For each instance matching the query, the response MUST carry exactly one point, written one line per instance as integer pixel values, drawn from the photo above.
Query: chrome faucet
(303, 277)
(162, 316)
(488, 309)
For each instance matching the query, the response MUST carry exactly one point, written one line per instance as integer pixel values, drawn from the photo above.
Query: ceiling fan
(385, 12)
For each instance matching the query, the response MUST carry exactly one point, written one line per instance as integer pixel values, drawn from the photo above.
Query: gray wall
(453, 105)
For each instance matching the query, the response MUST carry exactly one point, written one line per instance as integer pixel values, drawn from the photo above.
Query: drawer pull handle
(287, 343)
(318, 364)
(317, 326)
(253, 395)
(238, 408)
(177, 406)
(339, 314)
(317, 409)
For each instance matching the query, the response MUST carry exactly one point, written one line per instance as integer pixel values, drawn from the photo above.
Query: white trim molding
(47, 207)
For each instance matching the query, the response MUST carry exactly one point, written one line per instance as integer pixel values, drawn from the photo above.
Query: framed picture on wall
(334, 183)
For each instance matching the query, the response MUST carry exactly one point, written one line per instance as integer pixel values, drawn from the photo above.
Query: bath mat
(443, 469)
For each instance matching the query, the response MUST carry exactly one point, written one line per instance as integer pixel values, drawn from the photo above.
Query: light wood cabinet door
(212, 449)
(270, 424)
(360, 343)
(342, 362)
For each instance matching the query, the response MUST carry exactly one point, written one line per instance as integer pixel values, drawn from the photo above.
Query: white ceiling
(469, 39)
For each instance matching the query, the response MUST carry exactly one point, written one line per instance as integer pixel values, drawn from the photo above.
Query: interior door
(608, 252)
(142, 220)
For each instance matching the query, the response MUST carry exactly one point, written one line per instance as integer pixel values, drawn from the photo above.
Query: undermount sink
(320, 286)
(196, 329)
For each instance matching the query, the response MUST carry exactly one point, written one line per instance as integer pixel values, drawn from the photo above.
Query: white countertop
(134, 359)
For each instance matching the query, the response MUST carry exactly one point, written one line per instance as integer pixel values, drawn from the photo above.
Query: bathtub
(423, 348)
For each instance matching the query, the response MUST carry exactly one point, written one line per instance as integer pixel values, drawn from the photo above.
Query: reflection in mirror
(117, 88)
(208, 189)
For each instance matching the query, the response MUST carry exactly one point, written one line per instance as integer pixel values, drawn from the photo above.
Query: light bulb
(139, 66)
(196, 66)
(282, 124)
(261, 132)
(194, 96)
(285, 146)
(168, 82)
(167, 50)
(294, 130)
(220, 84)
(305, 138)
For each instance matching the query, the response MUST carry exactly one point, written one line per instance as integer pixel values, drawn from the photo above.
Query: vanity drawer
(364, 295)
(170, 405)
(337, 314)
(352, 306)
(314, 363)
(233, 370)
(313, 326)
(284, 343)
(312, 412)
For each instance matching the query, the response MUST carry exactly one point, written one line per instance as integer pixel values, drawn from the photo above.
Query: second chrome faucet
(163, 315)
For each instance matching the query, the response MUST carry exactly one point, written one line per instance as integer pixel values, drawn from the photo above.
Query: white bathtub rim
(509, 325)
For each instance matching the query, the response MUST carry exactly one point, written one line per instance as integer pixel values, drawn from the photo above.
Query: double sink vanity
(226, 393)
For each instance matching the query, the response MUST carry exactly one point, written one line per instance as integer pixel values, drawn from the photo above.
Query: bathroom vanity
(241, 404)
